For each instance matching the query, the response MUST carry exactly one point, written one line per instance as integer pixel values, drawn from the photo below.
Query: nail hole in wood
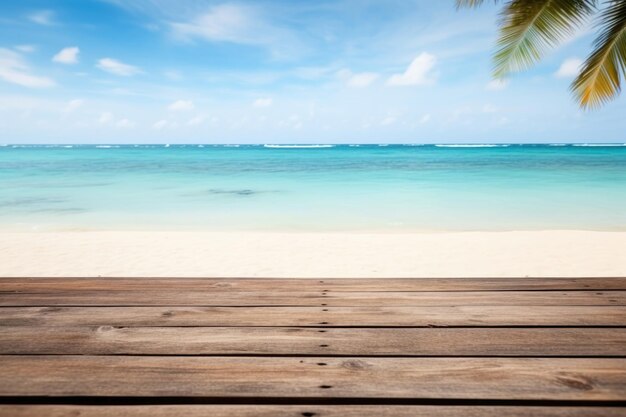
(323, 345)
(325, 386)
(308, 414)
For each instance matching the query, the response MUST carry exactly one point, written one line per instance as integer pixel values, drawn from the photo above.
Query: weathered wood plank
(295, 285)
(261, 377)
(106, 340)
(190, 297)
(476, 316)
(303, 410)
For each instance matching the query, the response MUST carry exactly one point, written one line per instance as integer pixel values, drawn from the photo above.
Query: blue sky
(343, 71)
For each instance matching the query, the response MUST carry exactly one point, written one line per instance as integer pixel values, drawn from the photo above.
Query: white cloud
(569, 68)
(181, 105)
(358, 80)
(418, 72)
(160, 124)
(124, 123)
(67, 55)
(196, 121)
(105, 118)
(240, 24)
(73, 105)
(42, 17)
(424, 119)
(118, 68)
(489, 108)
(25, 48)
(225, 22)
(262, 102)
(14, 70)
(497, 84)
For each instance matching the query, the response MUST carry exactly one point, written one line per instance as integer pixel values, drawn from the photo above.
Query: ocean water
(316, 188)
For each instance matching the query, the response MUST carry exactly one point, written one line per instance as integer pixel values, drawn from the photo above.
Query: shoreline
(550, 253)
(295, 231)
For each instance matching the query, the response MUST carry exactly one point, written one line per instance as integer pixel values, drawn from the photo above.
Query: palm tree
(529, 27)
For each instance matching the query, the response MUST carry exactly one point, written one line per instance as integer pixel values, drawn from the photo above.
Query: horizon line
(326, 144)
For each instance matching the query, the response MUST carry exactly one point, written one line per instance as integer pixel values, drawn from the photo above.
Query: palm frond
(529, 27)
(470, 3)
(600, 78)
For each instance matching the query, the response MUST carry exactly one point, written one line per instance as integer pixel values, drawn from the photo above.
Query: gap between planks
(310, 410)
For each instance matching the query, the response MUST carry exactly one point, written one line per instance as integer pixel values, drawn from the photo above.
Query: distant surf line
(312, 146)
(297, 146)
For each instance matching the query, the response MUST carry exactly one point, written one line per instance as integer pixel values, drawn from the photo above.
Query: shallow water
(360, 188)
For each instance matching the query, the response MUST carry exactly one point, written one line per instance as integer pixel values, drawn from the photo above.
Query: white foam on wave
(599, 145)
(298, 146)
(106, 146)
(472, 145)
(557, 144)
(39, 146)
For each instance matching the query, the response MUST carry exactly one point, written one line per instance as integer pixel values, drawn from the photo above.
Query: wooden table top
(302, 348)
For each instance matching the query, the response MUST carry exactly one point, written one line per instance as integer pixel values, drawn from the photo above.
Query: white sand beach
(313, 255)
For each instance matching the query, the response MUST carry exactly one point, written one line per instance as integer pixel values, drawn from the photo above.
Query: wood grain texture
(296, 285)
(261, 377)
(190, 297)
(303, 411)
(289, 342)
(316, 316)
(107, 340)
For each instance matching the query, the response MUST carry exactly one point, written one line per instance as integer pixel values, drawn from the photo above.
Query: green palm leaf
(529, 27)
(600, 79)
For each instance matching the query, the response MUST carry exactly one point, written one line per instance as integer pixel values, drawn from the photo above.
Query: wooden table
(303, 348)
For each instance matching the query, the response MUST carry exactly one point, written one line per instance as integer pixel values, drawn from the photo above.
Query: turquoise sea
(316, 187)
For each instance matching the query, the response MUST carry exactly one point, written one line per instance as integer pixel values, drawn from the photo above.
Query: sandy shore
(208, 254)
